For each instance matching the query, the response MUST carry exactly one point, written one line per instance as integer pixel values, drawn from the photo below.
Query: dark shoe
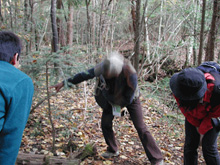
(159, 163)
(108, 154)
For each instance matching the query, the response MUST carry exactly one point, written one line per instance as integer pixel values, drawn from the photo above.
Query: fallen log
(34, 159)
(75, 159)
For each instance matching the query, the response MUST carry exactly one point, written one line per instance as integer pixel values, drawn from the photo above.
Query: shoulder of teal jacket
(11, 76)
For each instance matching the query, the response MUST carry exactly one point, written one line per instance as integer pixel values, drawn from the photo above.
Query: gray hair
(112, 65)
(116, 62)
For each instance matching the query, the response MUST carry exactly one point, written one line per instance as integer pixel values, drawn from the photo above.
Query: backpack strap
(215, 98)
(216, 75)
(212, 68)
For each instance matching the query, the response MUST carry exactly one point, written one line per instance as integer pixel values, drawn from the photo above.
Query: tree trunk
(147, 41)
(133, 14)
(194, 33)
(60, 22)
(54, 26)
(202, 33)
(137, 36)
(11, 17)
(112, 27)
(218, 57)
(101, 25)
(43, 159)
(31, 4)
(15, 14)
(107, 23)
(36, 39)
(210, 49)
(70, 27)
(25, 15)
(88, 23)
(49, 109)
(26, 23)
(146, 47)
(55, 39)
(93, 26)
(33, 30)
(161, 21)
(1, 17)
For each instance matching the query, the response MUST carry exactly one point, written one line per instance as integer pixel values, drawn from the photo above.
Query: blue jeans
(209, 146)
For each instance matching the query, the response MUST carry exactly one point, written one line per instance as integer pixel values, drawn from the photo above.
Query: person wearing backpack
(117, 88)
(197, 97)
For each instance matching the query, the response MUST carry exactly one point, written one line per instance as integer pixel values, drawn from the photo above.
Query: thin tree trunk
(212, 34)
(159, 40)
(190, 48)
(146, 47)
(218, 20)
(25, 15)
(88, 23)
(54, 26)
(202, 33)
(133, 14)
(112, 27)
(5, 16)
(31, 4)
(26, 23)
(218, 57)
(15, 14)
(195, 32)
(60, 28)
(49, 109)
(137, 36)
(161, 20)
(107, 30)
(55, 39)
(36, 39)
(70, 27)
(11, 17)
(33, 29)
(93, 26)
(147, 41)
(1, 17)
(101, 25)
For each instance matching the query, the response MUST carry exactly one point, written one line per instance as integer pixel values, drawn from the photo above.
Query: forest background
(61, 38)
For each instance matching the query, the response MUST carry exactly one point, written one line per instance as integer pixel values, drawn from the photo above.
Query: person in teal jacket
(16, 92)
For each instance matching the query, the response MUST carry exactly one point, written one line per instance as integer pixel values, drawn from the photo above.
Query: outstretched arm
(78, 78)
(82, 76)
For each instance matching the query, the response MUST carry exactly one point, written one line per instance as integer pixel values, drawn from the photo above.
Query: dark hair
(188, 105)
(10, 44)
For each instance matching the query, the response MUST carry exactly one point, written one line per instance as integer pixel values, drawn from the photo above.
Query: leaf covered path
(76, 127)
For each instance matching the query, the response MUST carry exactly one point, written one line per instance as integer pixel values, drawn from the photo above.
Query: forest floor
(77, 119)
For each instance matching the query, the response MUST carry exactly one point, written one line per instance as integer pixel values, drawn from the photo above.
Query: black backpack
(214, 69)
(209, 66)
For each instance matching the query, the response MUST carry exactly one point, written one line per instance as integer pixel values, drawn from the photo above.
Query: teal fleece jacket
(16, 92)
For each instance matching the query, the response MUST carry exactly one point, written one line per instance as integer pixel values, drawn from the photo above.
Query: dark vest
(111, 91)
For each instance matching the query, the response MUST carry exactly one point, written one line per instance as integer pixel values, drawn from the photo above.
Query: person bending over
(199, 102)
(117, 88)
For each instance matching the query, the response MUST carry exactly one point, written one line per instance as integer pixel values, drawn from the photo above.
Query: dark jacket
(119, 90)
